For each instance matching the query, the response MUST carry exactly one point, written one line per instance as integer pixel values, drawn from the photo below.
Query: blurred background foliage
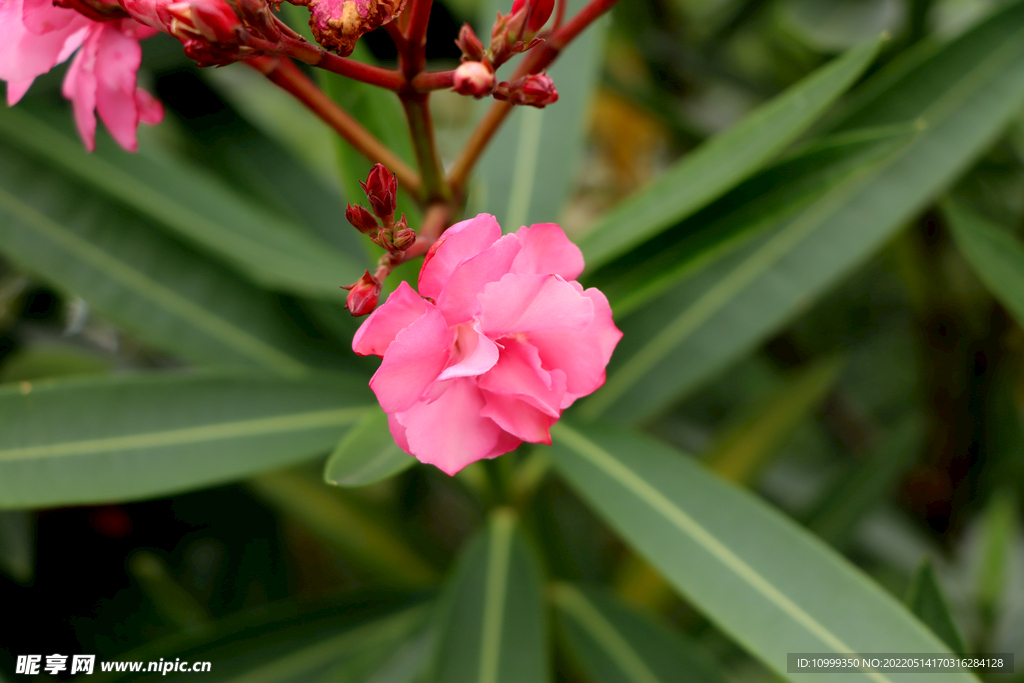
(879, 406)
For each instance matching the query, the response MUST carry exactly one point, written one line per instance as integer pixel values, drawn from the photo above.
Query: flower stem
(282, 72)
(535, 61)
(416, 35)
(417, 111)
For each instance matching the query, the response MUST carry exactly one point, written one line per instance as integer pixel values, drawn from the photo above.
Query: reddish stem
(397, 37)
(416, 35)
(559, 14)
(535, 61)
(282, 72)
(433, 80)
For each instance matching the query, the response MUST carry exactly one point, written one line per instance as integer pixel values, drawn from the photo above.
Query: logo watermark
(31, 665)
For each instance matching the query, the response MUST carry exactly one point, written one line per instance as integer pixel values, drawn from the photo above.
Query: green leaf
(51, 360)
(926, 600)
(614, 643)
(866, 483)
(145, 282)
(494, 630)
(528, 169)
(751, 209)
(724, 161)
(189, 202)
(367, 454)
(833, 25)
(995, 255)
(17, 544)
(761, 578)
(109, 439)
(999, 532)
(962, 98)
(337, 518)
(744, 448)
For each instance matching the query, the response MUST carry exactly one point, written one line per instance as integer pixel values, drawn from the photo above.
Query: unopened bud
(471, 46)
(210, 20)
(404, 238)
(473, 78)
(381, 188)
(535, 90)
(361, 219)
(363, 295)
(205, 53)
(537, 14)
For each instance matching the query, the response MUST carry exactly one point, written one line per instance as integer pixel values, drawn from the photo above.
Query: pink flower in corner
(36, 35)
(498, 342)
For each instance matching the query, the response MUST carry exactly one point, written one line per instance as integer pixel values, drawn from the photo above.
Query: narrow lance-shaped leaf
(112, 439)
(614, 643)
(962, 98)
(866, 483)
(724, 161)
(995, 255)
(493, 611)
(190, 203)
(746, 446)
(17, 544)
(367, 454)
(145, 282)
(761, 578)
(926, 600)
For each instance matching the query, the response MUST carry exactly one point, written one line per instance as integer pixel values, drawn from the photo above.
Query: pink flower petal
(519, 373)
(581, 354)
(17, 89)
(118, 57)
(80, 87)
(450, 432)
(42, 16)
(24, 54)
(506, 442)
(547, 250)
(521, 303)
(398, 433)
(151, 111)
(474, 354)
(459, 301)
(518, 418)
(458, 243)
(401, 309)
(413, 361)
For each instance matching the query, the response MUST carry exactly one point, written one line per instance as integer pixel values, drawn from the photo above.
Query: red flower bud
(474, 78)
(381, 188)
(535, 90)
(537, 14)
(361, 219)
(210, 20)
(471, 46)
(363, 295)
(404, 238)
(205, 53)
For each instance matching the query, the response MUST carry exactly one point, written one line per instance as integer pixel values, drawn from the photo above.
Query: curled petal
(519, 373)
(413, 361)
(26, 54)
(518, 418)
(461, 241)
(459, 301)
(546, 250)
(474, 354)
(401, 309)
(118, 57)
(582, 354)
(521, 303)
(451, 432)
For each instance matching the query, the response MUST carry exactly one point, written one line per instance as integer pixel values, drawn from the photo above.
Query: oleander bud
(361, 219)
(473, 78)
(363, 295)
(381, 188)
(535, 90)
(471, 46)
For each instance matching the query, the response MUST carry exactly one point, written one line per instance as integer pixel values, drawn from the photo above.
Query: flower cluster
(36, 35)
(497, 343)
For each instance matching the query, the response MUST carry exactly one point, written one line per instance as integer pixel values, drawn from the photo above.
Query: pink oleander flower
(497, 343)
(35, 36)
